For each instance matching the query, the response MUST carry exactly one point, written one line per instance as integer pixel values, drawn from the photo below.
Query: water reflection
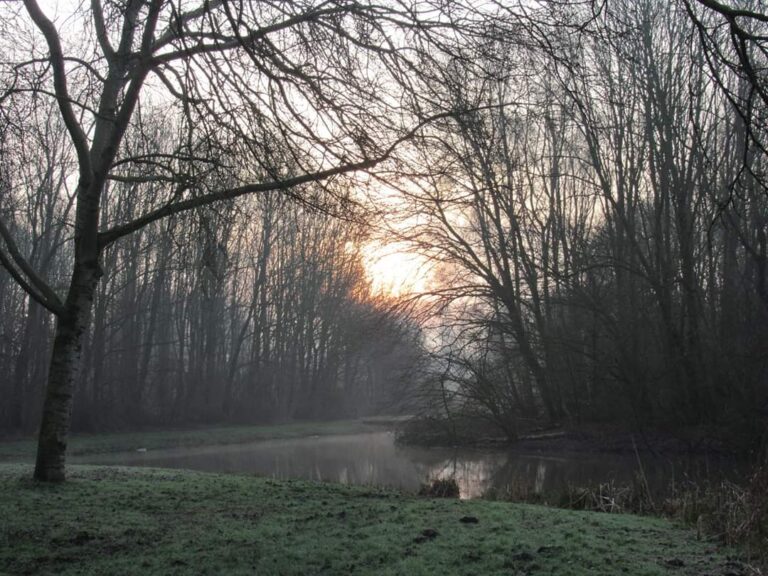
(374, 459)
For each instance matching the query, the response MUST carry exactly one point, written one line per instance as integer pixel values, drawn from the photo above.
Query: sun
(395, 271)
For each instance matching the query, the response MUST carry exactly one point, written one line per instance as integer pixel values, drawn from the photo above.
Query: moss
(143, 521)
(80, 445)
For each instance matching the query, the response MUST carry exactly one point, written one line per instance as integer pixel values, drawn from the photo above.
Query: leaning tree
(287, 95)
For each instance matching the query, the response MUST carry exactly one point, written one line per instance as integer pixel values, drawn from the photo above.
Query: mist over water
(374, 459)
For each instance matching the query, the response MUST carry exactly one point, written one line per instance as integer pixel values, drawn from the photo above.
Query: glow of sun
(394, 271)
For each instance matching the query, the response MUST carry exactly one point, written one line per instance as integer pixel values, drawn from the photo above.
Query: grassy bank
(83, 444)
(140, 521)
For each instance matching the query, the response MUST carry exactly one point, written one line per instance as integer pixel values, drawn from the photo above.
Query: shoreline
(115, 442)
(590, 441)
(154, 521)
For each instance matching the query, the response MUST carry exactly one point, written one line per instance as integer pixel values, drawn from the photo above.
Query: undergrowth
(440, 488)
(733, 514)
(738, 515)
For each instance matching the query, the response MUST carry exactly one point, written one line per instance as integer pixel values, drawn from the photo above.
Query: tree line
(255, 311)
(191, 107)
(183, 202)
(599, 214)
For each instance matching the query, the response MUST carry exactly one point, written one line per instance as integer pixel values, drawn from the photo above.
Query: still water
(374, 459)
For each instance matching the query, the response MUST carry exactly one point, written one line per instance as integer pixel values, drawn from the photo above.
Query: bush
(609, 497)
(459, 430)
(733, 514)
(737, 515)
(440, 488)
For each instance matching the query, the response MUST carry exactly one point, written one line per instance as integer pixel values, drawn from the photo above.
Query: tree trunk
(64, 370)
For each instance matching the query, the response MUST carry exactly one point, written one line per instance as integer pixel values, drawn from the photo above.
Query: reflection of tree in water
(522, 476)
(472, 474)
(496, 472)
(373, 459)
(549, 477)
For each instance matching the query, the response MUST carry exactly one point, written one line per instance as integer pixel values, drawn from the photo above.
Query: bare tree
(734, 42)
(266, 96)
(587, 203)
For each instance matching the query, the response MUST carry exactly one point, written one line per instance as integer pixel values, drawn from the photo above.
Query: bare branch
(732, 12)
(108, 236)
(26, 276)
(76, 133)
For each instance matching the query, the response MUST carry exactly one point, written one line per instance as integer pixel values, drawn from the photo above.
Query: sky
(396, 271)
(392, 268)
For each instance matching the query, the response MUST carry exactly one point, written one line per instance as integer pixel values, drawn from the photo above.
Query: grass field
(143, 521)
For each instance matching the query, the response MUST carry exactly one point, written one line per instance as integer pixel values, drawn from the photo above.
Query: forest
(599, 219)
(189, 195)
(384, 287)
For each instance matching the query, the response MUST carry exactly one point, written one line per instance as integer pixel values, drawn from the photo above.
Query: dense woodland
(258, 311)
(585, 180)
(600, 217)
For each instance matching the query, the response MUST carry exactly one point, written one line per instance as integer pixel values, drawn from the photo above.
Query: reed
(732, 514)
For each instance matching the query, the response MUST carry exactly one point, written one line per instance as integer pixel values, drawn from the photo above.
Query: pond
(374, 459)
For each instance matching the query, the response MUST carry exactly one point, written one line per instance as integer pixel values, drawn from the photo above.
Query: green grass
(142, 521)
(80, 445)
